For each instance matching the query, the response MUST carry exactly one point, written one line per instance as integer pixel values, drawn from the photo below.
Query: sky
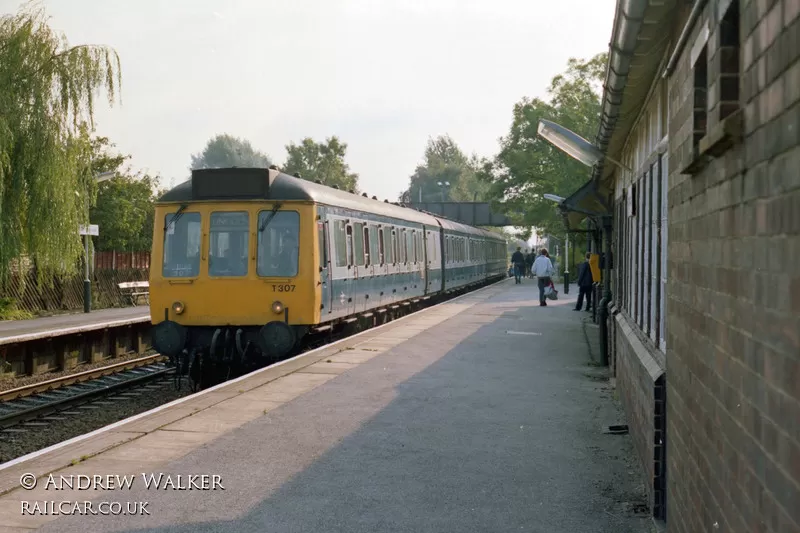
(382, 75)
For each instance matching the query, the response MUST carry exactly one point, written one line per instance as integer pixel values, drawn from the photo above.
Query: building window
(700, 100)
(728, 61)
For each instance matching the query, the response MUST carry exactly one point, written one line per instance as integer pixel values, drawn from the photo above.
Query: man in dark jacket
(584, 284)
(529, 259)
(519, 264)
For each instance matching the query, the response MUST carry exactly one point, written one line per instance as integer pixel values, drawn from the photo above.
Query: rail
(57, 383)
(21, 410)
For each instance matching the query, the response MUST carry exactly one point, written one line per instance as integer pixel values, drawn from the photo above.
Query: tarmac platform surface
(14, 331)
(481, 414)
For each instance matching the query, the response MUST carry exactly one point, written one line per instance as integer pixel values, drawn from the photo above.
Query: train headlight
(178, 308)
(277, 307)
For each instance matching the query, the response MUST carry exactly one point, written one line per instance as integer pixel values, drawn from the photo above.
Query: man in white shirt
(543, 270)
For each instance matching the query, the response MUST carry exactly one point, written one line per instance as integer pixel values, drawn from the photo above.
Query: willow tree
(47, 92)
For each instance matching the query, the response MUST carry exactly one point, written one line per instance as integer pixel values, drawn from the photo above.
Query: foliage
(323, 162)
(444, 162)
(9, 310)
(527, 166)
(224, 151)
(124, 208)
(47, 91)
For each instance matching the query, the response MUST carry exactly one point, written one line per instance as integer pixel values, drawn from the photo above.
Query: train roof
(231, 184)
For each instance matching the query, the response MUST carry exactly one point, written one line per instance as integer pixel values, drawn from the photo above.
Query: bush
(9, 311)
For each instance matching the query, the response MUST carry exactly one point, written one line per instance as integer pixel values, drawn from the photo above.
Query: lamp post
(442, 186)
(87, 282)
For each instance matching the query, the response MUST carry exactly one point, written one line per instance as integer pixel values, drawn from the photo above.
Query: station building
(697, 203)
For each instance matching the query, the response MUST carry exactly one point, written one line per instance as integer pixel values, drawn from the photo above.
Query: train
(247, 262)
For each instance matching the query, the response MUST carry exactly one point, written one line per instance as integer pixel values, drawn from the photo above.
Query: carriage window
(349, 245)
(229, 238)
(394, 248)
(358, 243)
(375, 255)
(412, 252)
(181, 246)
(381, 247)
(340, 240)
(278, 252)
(403, 247)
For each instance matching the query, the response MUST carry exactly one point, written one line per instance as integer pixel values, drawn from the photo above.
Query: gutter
(627, 25)
(697, 9)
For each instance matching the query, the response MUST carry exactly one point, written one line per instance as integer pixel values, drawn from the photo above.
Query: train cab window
(229, 244)
(181, 245)
(358, 243)
(381, 247)
(340, 242)
(278, 240)
(375, 255)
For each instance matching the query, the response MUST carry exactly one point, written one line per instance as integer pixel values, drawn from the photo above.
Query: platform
(17, 331)
(479, 414)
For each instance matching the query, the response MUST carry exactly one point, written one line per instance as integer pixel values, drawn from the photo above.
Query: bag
(550, 292)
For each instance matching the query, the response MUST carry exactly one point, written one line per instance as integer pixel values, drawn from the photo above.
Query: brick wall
(637, 371)
(733, 308)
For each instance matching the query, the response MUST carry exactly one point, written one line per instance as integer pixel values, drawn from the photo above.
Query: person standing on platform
(529, 259)
(519, 264)
(543, 270)
(584, 284)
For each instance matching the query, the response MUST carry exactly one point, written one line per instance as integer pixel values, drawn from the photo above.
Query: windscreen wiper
(178, 214)
(269, 218)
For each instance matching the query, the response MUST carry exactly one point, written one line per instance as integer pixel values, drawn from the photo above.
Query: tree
(124, 208)
(323, 162)
(444, 162)
(47, 91)
(527, 166)
(224, 151)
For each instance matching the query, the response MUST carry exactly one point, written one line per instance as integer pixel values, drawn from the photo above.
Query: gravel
(8, 383)
(15, 444)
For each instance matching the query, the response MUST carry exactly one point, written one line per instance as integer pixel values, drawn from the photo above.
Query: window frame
(200, 259)
(247, 245)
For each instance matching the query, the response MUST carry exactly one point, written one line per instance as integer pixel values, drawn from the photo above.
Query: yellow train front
(246, 261)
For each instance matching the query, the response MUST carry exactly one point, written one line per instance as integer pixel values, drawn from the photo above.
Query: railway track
(39, 403)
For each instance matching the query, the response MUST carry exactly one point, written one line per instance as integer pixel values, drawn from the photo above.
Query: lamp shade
(570, 142)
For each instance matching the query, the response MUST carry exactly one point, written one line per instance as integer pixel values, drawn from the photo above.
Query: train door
(370, 258)
(360, 268)
(426, 259)
(323, 236)
(347, 296)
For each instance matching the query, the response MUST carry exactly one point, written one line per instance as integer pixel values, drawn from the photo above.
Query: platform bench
(134, 290)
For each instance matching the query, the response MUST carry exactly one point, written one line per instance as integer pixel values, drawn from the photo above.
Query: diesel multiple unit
(246, 262)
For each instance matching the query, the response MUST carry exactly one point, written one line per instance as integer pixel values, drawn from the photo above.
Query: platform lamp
(87, 282)
(590, 155)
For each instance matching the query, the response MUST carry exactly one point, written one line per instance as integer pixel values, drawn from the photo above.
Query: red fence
(122, 260)
(21, 296)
